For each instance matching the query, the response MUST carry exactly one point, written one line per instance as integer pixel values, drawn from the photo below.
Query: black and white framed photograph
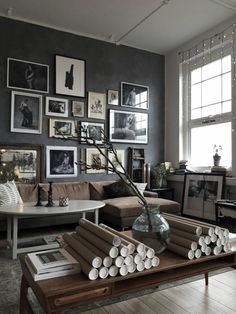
(112, 97)
(57, 107)
(60, 161)
(128, 127)
(134, 95)
(201, 190)
(92, 131)
(95, 161)
(26, 113)
(70, 76)
(78, 108)
(61, 128)
(27, 75)
(20, 162)
(97, 105)
(121, 157)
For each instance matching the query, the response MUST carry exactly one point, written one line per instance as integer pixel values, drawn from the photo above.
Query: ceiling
(172, 25)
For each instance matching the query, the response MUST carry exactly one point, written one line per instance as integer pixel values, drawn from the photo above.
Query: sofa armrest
(150, 194)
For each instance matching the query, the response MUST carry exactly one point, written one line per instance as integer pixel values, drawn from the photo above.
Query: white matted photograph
(61, 128)
(112, 97)
(61, 161)
(26, 113)
(70, 76)
(57, 107)
(128, 127)
(97, 105)
(27, 75)
(134, 95)
(92, 131)
(121, 158)
(95, 160)
(78, 108)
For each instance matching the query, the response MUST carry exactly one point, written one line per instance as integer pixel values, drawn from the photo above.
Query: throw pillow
(118, 189)
(9, 194)
(141, 187)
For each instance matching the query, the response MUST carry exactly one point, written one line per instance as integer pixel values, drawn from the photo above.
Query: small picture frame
(60, 161)
(112, 97)
(61, 128)
(93, 130)
(70, 76)
(95, 158)
(97, 105)
(27, 75)
(134, 95)
(77, 108)
(26, 113)
(57, 107)
(121, 158)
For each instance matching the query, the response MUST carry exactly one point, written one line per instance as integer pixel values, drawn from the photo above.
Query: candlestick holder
(50, 201)
(39, 202)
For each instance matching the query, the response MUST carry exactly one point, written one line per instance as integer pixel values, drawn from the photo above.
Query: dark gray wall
(106, 66)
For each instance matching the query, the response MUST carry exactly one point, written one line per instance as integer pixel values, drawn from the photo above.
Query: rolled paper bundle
(181, 250)
(214, 238)
(227, 247)
(215, 250)
(103, 272)
(132, 267)
(130, 246)
(221, 234)
(203, 247)
(119, 261)
(155, 261)
(124, 251)
(220, 248)
(150, 252)
(140, 266)
(189, 244)
(218, 242)
(106, 260)
(87, 269)
(113, 271)
(181, 225)
(225, 232)
(140, 247)
(201, 241)
(88, 255)
(207, 251)
(148, 263)
(223, 240)
(207, 230)
(123, 270)
(207, 239)
(129, 260)
(104, 234)
(143, 255)
(107, 248)
(137, 258)
(217, 230)
(198, 253)
(187, 235)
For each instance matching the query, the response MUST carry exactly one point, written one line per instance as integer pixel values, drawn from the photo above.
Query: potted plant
(217, 149)
(159, 175)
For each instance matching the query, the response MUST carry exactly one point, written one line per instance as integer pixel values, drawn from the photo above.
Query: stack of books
(218, 169)
(51, 264)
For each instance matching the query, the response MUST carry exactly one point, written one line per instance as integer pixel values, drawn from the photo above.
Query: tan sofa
(119, 212)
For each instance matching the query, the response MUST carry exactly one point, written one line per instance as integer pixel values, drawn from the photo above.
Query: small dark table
(167, 193)
(230, 204)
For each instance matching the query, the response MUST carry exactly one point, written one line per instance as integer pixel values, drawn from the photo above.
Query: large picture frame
(92, 130)
(201, 190)
(27, 75)
(134, 95)
(93, 155)
(97, 105)
(70, 76)
(20, 162)
(60, 161)
(26, 113)
(61, 128)
(128, 127)
(57, 107)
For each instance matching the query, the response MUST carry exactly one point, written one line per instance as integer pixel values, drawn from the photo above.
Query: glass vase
(151, 228)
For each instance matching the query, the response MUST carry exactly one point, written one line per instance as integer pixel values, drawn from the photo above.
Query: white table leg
(9, 225)
(96, 216)
(84, 215)
(15, 237)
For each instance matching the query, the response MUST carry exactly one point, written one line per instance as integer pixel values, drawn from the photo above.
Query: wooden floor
(194, 297)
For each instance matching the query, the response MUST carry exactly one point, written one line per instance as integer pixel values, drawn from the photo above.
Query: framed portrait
(134, 95)
(121, 158)
(20, 162)
(27, 75)
(26, 113)
(78, 108)
(112, 97)
(128, 127)
(61, 161)
(201, 190)
(70, 76)
(97, 105)
(95, 160)
(61, 128)
(92, 130)
(57, 107)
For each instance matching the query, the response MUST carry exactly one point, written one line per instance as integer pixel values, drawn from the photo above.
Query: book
(75, 268)
(51, 260)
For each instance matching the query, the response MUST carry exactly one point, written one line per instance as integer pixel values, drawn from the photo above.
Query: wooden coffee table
(58, 294)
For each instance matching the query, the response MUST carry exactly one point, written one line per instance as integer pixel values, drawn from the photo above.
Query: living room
(143, 52)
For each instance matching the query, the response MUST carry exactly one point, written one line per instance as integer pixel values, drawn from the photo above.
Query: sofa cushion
(97, 191)
(28, 192)
(9, 194)
(129, 206)
(118, 189)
